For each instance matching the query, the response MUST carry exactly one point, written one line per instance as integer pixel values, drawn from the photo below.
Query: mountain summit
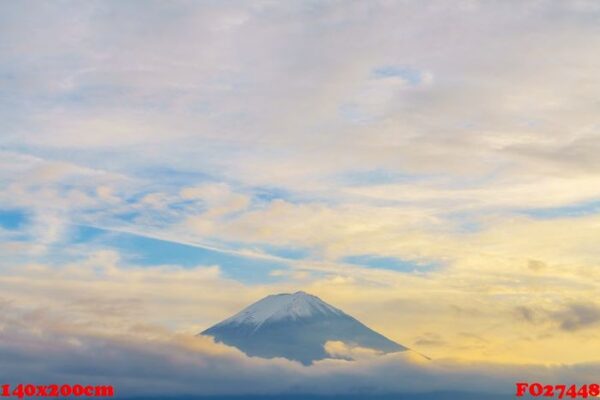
(295, 326)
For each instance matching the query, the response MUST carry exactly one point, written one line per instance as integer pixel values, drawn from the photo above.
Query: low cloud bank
(36, 348)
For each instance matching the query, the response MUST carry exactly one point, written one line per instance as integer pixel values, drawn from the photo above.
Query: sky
(429, 167)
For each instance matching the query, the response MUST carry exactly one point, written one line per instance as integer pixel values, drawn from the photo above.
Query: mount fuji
(295, 326)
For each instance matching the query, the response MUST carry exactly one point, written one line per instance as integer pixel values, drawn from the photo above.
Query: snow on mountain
(295, 326)
(281, 306)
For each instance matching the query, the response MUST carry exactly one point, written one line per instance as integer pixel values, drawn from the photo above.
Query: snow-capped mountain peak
(296, 326)
(281, 306)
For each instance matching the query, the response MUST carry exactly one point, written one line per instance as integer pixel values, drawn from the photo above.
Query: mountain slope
(295, 326)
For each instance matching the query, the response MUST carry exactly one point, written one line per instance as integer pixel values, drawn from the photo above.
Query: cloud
(577, 316)
(107, 293)
(345, 351)
(260, 103)
(430, 339)
(154, 361)
(525, 313)
(219, 199)
(116, 83)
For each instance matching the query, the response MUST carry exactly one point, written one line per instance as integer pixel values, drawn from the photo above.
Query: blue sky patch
(576, 210)
(389, 263)
(86, 234)
(291, 253)
(147, 251)
(268, 194)
(410, 75)
(379, 177)
(12, 219)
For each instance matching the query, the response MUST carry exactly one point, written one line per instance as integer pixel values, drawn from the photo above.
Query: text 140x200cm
(29, 390)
